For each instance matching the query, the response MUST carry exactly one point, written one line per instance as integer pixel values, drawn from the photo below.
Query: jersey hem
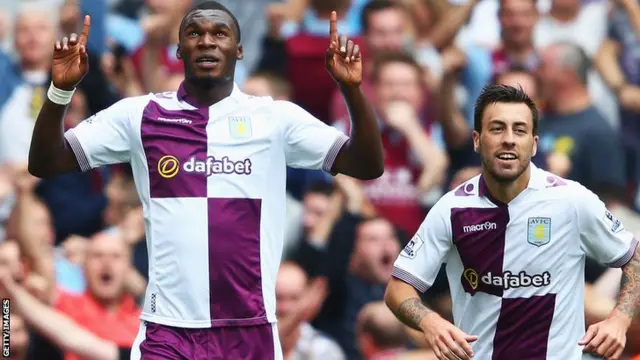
(78, 151)
(333, 152)
(205, 324)
(624, 259)
(410, 279)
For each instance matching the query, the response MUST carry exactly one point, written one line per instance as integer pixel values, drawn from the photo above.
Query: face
(10, 260)
(107, 263)
(506, 143)
(386, 31)
(315, 205)
(524, 80)
(566, 5)
(376, 249)
(289, 289)
(399, 82)
(258, 86)
(34, 34)
(517, 20)
(551, 75)
(19, 341)
(209, 47)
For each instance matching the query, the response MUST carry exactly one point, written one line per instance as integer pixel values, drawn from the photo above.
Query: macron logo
(179, 121)
(479, 227)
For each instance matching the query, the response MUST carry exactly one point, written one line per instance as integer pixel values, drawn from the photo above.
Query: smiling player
(515, 240)
(209, 164)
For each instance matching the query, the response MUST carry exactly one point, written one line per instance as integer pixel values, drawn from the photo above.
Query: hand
(352, 190)
(343, 59)
(157, 29)
(24, 182)
(75, 248)
(402, 117)
(70, 59)
(313, 298)
(559, 163)
(447, 341)
(453, 60)
(606, 338)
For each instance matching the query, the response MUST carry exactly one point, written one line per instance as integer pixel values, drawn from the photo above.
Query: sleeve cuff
(333, 152)
(409, 279)
(81, 157)
(624, 259)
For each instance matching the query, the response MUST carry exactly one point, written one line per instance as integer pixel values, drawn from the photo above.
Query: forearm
(446, 30)
(362, 156)
(633, 12)
(629, 299)
(49, 154)
(433, 159)
(454, 126)
(60, 329)
(403, 300)
(607, 64)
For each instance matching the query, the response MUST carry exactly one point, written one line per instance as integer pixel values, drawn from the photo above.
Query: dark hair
(386, 58)
(375, 6)
(496, 93)
(320, 187)
(211, 5)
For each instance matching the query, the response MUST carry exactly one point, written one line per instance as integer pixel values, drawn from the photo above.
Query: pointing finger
(333, 26)
(86, 27)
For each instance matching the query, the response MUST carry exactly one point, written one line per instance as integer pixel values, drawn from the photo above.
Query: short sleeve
(602, 236)
(309, 143)
(419, 262)
(104, 138)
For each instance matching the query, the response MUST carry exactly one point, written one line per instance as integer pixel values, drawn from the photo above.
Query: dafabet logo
(169, 166)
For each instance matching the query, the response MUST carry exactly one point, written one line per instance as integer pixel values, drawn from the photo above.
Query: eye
(221, 34)
(193, 33)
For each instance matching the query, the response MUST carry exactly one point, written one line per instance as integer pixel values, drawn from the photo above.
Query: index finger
(333, 26)
(85, 30)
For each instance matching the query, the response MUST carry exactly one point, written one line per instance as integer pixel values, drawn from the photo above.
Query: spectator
(414, 165)
(105, 308)
(573, 126)
(293, 297)
(381, 336)
(517, 21)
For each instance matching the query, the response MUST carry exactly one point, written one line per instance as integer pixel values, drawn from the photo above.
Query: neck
(289, 342)
(505, 192)
(209, 95)
(570, 101)
(111, 305)
(519, 52)
(564, 14)
(35, 66)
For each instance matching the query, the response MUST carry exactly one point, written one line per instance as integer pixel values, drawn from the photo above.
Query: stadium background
(67, 240)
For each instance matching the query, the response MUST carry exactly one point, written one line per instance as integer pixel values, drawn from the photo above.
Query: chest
(188, 150)
(530, 238)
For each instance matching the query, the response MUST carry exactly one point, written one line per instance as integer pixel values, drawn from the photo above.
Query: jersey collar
(538, 180)
(183, 96)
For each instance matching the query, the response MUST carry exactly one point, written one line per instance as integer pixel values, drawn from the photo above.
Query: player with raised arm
(209, 164)
(514, 240)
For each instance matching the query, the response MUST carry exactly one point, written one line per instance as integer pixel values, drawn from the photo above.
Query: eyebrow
(217, 24)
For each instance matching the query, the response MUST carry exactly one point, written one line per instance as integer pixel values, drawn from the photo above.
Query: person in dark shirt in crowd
(572, 125)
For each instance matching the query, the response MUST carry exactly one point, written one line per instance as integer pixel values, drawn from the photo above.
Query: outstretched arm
(361, 157)
(49, 154)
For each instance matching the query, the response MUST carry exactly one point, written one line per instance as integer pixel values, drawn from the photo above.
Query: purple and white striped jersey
(212, 184)
(516, 271)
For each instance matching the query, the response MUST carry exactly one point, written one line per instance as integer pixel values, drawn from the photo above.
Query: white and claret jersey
(516, 271)
(212, 184)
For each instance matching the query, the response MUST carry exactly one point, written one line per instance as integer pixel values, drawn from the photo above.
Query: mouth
(207, 62)
(386, 260)
(507, 156)
(106, 278)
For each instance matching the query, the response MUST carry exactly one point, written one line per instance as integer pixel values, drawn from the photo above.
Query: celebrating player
(515, 240)
(209, 164)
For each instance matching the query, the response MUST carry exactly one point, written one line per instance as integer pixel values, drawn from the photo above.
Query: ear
(476, 141)
(240, 52)
(535, 145)
(178, 56)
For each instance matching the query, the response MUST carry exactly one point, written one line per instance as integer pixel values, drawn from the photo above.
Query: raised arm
(49, 154)
(361, 157)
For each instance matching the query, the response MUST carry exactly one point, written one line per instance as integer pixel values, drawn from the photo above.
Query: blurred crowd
(73, 256)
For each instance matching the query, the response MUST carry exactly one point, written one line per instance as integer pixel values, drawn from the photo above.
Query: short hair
(279, 84)
(373, 7)
(211, 5)
(393, 57)
(497, 93)
(320, 187)
(326, 6)
(573, 56)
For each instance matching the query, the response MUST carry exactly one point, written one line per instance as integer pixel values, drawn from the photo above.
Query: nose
(508, 138)
(207, 41)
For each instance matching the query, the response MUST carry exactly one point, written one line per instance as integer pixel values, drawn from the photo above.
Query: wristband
(59, 96)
